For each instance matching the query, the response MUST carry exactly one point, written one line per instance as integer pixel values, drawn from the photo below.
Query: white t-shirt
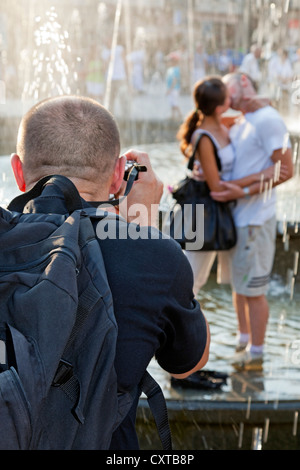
(254, 138)
(225, 154)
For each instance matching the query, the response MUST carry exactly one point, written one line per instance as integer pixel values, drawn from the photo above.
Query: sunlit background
(51, 47)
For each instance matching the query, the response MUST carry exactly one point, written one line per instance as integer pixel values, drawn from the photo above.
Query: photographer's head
(72, 136)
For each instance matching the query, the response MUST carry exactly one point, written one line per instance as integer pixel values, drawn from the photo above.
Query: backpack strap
(72, 198)
(64, 376)
(192, 158)
(71, 195)
(158, 407)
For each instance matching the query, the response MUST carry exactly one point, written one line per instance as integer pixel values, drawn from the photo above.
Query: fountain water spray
(51, 69)
(112, 55)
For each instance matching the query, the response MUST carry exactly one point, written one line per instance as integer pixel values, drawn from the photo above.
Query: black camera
(129, 165)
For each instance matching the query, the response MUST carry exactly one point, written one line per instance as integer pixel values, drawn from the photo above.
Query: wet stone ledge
(223, 426)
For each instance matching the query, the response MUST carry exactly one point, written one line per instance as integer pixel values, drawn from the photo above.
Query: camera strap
(116, 202)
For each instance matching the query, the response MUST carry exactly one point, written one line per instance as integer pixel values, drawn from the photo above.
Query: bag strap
(158, 407)
(70, 193)
(69, 190)
(116, 202)
(192, 158)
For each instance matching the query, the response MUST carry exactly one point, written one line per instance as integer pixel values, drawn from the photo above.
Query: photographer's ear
(118, 175)
(17, 167)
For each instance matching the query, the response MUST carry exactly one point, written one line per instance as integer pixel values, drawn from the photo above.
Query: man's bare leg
(241, 307)
(258, 315)
(258, 309)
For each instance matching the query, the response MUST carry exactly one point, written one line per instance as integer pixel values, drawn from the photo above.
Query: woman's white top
(226, 155)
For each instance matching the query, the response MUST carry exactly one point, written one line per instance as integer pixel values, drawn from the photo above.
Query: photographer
(150, 279)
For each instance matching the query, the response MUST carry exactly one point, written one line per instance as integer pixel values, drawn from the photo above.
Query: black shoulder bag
(199, 217)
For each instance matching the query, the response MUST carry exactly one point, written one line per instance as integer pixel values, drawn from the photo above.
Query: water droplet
(266, 429)
(248, 408)
(257, 439)
(295, 424)
(241, 434)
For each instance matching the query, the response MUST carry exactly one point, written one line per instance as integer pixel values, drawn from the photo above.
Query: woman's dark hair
(208, 94)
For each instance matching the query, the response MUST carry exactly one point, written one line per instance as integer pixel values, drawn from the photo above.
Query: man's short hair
(70, 135)
(237, 77)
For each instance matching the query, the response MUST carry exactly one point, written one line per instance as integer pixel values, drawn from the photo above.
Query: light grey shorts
(253, 257)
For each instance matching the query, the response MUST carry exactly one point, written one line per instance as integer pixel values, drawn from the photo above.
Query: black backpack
(58, 385)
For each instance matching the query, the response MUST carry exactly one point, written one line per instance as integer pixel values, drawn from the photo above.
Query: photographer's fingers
(143, 159)
(148, 188)
(149, 177)
(138, 156)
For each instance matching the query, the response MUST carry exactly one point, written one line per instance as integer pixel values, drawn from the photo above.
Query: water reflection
(281, 374)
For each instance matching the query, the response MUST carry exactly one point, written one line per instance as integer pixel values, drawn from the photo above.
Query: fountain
(50, 53)
(47, 72)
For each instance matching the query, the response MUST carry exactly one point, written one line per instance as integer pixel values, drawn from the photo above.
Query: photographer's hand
(141, 205)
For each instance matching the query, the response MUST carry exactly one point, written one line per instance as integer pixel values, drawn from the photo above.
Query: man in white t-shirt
(260, 139)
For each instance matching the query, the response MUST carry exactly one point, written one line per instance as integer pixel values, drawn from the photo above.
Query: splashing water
(257, 439)
(51, 70)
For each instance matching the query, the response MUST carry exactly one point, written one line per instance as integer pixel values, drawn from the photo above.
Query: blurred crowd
(111, 74)
(276, 74)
